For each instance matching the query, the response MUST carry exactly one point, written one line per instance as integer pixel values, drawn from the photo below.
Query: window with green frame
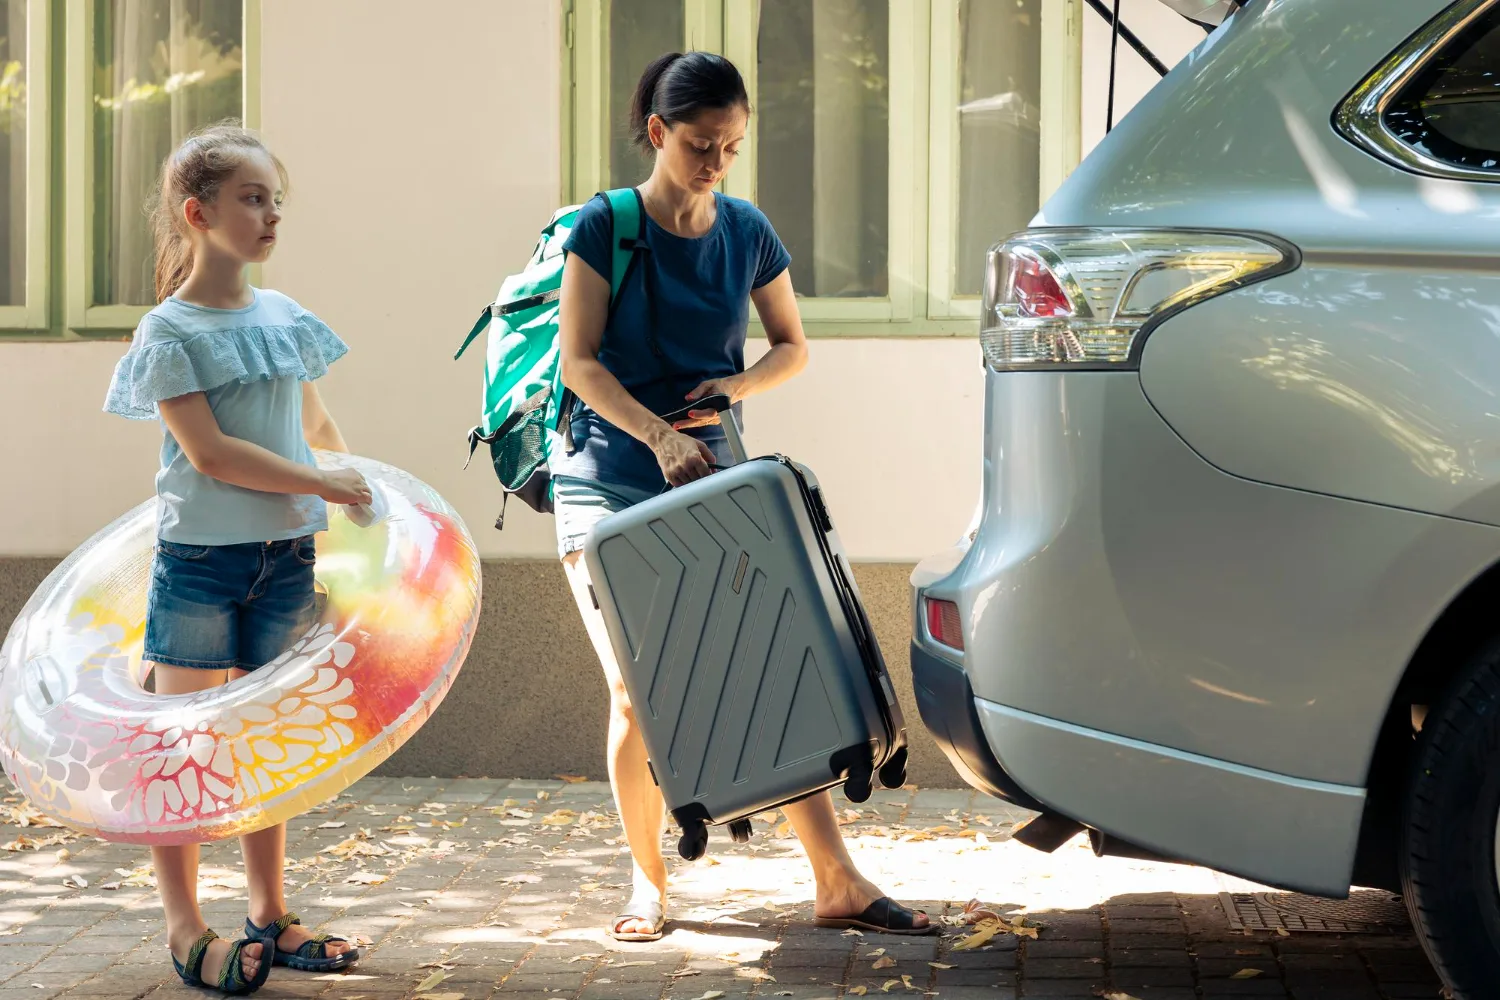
(892, 141)
(93, 95)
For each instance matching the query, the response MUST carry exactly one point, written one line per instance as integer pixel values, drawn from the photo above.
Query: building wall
(421, 170)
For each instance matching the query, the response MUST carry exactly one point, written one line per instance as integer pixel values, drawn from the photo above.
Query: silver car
(1233, 596)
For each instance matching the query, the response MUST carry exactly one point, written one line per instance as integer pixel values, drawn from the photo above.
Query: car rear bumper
(1138, 624)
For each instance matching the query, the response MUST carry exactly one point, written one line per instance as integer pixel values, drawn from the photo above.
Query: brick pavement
(479, 889)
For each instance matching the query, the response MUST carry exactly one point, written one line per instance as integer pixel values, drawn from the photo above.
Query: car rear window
(1451, 109)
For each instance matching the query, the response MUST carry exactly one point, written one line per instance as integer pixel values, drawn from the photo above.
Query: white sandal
(645, 910)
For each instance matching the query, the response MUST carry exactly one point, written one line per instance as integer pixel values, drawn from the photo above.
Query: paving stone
(1148, 936)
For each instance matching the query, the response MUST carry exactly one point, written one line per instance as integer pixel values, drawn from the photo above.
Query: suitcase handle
(722, 404)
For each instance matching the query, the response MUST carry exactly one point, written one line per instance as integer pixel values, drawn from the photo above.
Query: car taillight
(943, 623)
(1086, 298)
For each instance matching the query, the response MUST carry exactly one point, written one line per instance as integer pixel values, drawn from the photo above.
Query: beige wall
(423, 162)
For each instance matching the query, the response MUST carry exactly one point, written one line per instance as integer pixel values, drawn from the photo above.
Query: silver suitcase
(750, 663)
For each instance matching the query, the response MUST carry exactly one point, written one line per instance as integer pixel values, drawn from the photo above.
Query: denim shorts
(579, 504)
(215, 607)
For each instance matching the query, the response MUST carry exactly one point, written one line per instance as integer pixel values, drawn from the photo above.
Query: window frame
(81, 318)
(922, 232)
(1361, 115)
(35, 312)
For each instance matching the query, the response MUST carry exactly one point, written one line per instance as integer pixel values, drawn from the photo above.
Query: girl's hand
(682, 458)
(345, 486)
(733, 387)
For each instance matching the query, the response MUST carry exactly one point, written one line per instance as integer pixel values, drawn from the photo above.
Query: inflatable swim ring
(82, 738)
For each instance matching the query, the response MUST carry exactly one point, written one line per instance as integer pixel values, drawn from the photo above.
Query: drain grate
(1365, 911)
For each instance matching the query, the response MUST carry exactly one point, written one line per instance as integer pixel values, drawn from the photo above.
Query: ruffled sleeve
(160, 365)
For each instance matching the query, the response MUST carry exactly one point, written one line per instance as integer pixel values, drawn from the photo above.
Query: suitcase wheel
(893, 771)
(857, 786)
(694, 841)
(739, 831)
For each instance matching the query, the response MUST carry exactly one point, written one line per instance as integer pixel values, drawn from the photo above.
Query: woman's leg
(177, 867)
(841, 890)
(642, 811)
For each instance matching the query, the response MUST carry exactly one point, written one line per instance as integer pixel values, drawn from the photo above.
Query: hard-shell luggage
(751, 666)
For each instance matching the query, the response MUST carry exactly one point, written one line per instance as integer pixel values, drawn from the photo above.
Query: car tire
(1450, 851)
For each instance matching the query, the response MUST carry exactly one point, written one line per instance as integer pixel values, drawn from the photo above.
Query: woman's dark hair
(678, 88)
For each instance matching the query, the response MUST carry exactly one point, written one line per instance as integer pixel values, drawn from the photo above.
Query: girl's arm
(776, 305)
(317, 423)
(239, 463)
(583, 311)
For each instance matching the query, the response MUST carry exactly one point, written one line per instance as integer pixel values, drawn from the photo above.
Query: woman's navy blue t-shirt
(702, 289)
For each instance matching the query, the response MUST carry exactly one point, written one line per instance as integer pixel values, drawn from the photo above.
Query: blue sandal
(312, 956)
(232, 975)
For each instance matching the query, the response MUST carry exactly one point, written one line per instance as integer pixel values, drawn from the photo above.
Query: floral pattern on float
(84, 740)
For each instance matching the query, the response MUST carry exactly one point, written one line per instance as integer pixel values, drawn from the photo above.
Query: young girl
(230, 370)
(711, 258)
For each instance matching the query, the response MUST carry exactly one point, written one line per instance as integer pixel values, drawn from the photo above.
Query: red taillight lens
(943, 623)
(1035, 291)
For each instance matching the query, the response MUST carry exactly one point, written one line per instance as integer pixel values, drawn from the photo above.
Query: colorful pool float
(83, 740)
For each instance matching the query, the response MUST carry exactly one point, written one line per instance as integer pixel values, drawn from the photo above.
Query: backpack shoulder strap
(626, 216)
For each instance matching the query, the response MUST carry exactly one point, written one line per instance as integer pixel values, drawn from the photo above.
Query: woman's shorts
(215, 607)
(579, 504)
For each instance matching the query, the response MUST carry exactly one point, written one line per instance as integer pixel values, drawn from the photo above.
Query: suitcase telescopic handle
(722, 404)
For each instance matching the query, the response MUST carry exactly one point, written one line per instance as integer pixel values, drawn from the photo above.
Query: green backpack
(526, 407)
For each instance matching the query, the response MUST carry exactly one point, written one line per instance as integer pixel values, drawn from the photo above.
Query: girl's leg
(642, 810)
(177, 867)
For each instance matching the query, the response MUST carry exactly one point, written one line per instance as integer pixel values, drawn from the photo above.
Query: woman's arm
(776, 305)
(317, 423)
(240, 463)
(584, 308)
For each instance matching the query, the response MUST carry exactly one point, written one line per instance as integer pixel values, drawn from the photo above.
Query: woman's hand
(682, 458)
(733, 387)
(345, 486)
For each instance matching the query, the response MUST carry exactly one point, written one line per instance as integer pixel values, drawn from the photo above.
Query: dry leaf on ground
(1119, 996)
(431, 981)
(572, 779)
(886, 962)
(983, 932)
(367, 878)
(1246, 974)
(939, 965)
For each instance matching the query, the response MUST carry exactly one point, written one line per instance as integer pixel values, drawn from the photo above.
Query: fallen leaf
(521, 879)
(884, 963)
(76, 882)
(332, 826)
(853, 932)
(561, 817)
(712, 995)
(983, 932)
(1119, 996)
(975, 911)
(684, 973)
(431, 981)
(366, 878)
(889, 985)
(858, 991)
(572, 779)
(906, 981)
(1246, 974)
(939, 965)
(628, 965)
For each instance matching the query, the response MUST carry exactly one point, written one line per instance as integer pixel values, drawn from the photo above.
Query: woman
(709, 257)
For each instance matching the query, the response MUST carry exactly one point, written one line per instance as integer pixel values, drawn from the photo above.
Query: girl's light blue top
(250, 363)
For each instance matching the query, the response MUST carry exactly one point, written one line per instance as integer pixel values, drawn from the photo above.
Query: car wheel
(1450, 854)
